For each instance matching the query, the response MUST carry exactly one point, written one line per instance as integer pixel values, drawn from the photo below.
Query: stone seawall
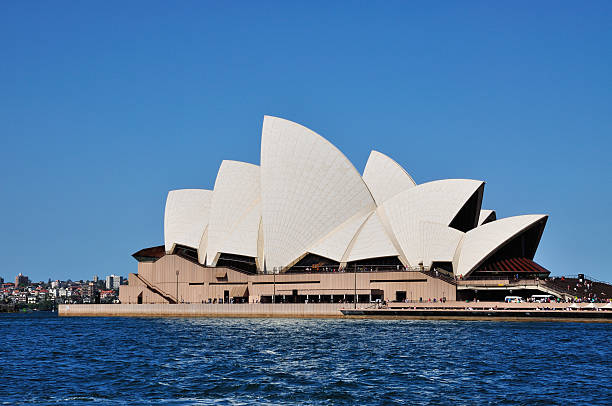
(204, 310)
(449, 310)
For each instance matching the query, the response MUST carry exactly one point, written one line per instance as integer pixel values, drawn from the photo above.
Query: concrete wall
(205, 310)
(296, 310)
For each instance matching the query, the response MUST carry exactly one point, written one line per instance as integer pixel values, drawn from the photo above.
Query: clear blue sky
(105, 106)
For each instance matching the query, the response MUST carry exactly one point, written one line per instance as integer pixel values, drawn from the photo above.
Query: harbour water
(52, 360)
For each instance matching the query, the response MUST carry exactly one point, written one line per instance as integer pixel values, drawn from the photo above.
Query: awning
(221, 274)
(239, 291)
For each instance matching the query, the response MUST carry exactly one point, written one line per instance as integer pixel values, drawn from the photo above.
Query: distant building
(21, 280)
(113, 281)
(55, 284)
(43, 294)
(89, 290)
(95, 279)
(20, 297)
(1, 280)
(107, 294)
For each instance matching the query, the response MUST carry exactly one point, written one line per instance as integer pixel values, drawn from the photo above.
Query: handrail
(586, 278)
(368, 269)
(540, 283)
(547, 285)
(556, 286)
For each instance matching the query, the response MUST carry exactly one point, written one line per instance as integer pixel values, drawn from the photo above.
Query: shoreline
(443, 311)
(492, 315)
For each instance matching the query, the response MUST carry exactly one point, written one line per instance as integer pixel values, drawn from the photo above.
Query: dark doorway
(140, 298)
(226, 296)
(400, 295)
(377, 295)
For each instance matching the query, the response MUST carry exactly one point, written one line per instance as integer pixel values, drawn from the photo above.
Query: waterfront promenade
(448, 310)
(205, 310)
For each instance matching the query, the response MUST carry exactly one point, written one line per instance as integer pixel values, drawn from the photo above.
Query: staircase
(529, 284)
(439, 275)
(554, 290)
(171, 299)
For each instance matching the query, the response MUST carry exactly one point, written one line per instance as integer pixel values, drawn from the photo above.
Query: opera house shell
(306, 210)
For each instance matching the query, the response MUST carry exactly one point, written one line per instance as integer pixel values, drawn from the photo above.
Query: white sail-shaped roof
(385, 177)
(486, 216)
(481, 242)
(203, 245)
(371, 241)
(308, 189)
(437, 202)
(236, 193)
(186, 217)
(335, 244)
(242, 238)
(438, 242)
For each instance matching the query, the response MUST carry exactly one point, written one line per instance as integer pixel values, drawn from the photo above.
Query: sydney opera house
(305, 225)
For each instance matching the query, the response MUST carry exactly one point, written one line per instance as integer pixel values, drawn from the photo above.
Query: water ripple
(51, 360)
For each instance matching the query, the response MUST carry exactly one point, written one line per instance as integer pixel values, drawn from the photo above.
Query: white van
(541, 298)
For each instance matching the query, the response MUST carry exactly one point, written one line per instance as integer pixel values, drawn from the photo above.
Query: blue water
(46, 359)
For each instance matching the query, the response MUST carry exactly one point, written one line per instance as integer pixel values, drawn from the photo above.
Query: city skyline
(98, 124)
(94, 278)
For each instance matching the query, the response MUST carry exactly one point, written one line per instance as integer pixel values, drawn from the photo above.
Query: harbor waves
(47, 359)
